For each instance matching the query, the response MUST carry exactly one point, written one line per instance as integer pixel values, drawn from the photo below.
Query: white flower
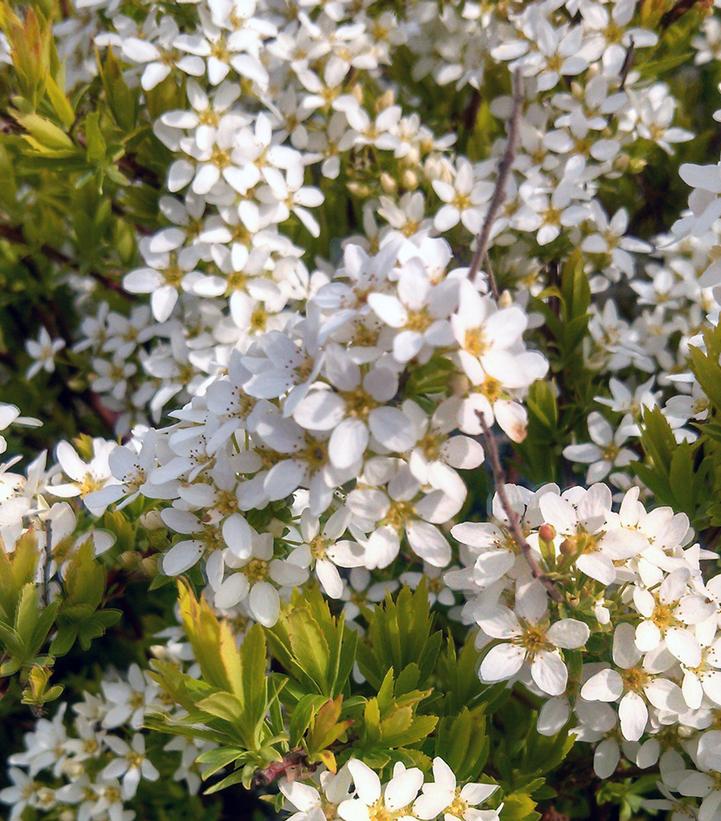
(531, 640)
(131, 764)
(323, 550)
(605, 451)
(464, 199)
(373, 800)
(632, 686)
(310, 803)
(43, 351)
(86, 477)
(488, 337)
(443, 796)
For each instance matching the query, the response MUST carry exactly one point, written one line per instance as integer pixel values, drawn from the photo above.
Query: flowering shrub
(361, 391)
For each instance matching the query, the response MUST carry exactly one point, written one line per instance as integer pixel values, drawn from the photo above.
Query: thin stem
(48, 561)
(627, 64)
(15, 234)
(514, 521)
(499, 192)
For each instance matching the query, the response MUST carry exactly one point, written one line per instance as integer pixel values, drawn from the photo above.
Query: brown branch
(106, 416)
(679, 9)
(627, 65)
(14, 233)
(499, 192)
(514, 521)
(293, 765)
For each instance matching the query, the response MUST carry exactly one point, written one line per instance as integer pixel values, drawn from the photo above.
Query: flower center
(256, 570)
(89, 484)
(534, 639)
(474, 342)
(431, 445)
(634, 679)
(419, 320)
(358, 403)
(397, 514)
(315, 454)
(318, 547)
(663, 616)
(457, 807)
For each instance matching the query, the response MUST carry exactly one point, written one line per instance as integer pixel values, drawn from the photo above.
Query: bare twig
(627, 64)
(679, 9)
(293, 765)
(48, 561)
(499, 192)
(514, 522)
(14, 234)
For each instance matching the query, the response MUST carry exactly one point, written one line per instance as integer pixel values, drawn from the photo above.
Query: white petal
(502, 662)
(233, 590)
(428, 542)
(549, 672)
(182, 557)
(392, 429)
(238, 536)
(348, 443)
(569, 634)
(606, 685)
(264, 603)
(634, 715)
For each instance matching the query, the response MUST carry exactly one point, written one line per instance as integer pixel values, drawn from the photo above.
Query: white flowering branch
(499, 192)
(514, 522)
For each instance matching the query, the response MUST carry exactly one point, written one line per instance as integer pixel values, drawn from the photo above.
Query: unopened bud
(388, 184)
(359, 189)
(151, 520)
(459, 384)
(567, 547)
(149, 566)
(413, 156)
(128, 560)
(385, 100)
(547, 532)
(409, 180)
(505, 300)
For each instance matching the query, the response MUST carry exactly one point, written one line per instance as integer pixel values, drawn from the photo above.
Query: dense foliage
(361, 400)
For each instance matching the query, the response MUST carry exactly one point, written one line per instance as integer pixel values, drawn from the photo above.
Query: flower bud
(547, 532)
(409, 179)
(151, 520)
(385, 100)
(567, 547)
(388, 184)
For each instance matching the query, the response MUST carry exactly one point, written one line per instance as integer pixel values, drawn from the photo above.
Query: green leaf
(215, 760)
(462, 742)
(399, 634)
(708, 372)
(313, 646)
(519, 806)
(121, 98)
(59, 101)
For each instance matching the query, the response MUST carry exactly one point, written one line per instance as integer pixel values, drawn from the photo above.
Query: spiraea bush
(360, 367)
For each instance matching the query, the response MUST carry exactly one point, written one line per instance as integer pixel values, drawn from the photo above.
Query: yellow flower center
(474, 342)
(256, 570)
(397, 514)
(358, 403)
(634, 679)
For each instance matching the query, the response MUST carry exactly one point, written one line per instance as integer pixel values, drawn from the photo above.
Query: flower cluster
(324, 410)
(355, 793)
(633, 580)
(320, 279)
(95, 766)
